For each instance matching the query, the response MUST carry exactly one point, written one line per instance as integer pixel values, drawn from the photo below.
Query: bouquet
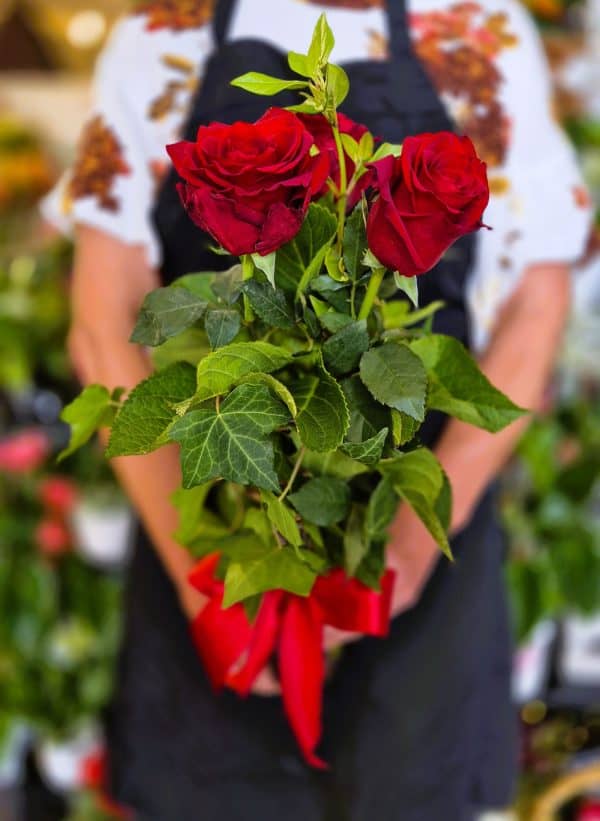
(295, 383)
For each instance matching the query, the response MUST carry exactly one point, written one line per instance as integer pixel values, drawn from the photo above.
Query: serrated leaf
(266, 264)
(356, 546)
(323, 416)
(322, 501)
(277, 387)
(276, 569)
(282, 518)
(381, 509)
(404, 427)
(232, 442)
(85, 415)
(303, 256)
(264, 85)
(408, 286)
(333, 321)
(269, 303)
(321, 44)
(143, 422)
(166, 312)
(222, 369)
(222, 326)
(343, 350)
(459, 388)
(369, 452)
(227, 285)
(396, 377)
(419, 479)
(367, 416)
(355, 243)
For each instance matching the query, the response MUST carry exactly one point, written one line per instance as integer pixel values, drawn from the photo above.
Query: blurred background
(65, 528)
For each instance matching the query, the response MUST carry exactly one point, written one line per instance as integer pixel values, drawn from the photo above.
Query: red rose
(52, 537)
(249, 184)
(58, 494)
(322, 133)
(431, 195)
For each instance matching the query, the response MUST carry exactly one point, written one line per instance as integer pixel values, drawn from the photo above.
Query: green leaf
(404, 428)
(366, 146)
(265, 85)
(338, 85)
(323, 417)
(355, 243)
(277, 387)
(350, 147)
(332, 265)
(282, 518)
(301, 259)
(270, 304)
(369, 452)
(91, 410)
(457, 386)
(199, 284)
(333, 321)
(232, 442)
(419, 479)
(266, 264)
(222, 325)
(356, 546)
(227, 285)
(397, 314)
(222, 369)
(143, 422)
(409, 286)
(189, 346)
(199, 529)
(343, 350)
(387, 150)
(321, 44)
(166, 312)
(367, 416)
(323, 501)
(381, 509)
(275, 569)
(300, 64)
(334, 463)
(396, 377)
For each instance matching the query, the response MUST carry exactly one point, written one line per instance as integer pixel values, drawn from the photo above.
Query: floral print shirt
(484, 58)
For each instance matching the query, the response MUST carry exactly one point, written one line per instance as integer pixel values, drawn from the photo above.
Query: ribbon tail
(348, 604)
(302, 673)
(262, 644)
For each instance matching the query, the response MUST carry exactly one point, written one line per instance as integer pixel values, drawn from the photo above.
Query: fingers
(266, 684)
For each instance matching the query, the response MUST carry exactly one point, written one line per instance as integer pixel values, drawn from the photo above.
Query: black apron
(417, 727)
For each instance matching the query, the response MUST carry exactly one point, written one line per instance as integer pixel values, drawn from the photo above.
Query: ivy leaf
(282, 518)
(322, 501)
(367, 416)
(419, 479)
(343, 350)
(457, 386)
(222, 369)
(321, 44)
(166, 312)
(356, 546)
(263, 84)
(355, 243)
(409, 286)
(232, 442)
(303, 256)
(396, 377)
(227, 285)
(277, 387)
(323, 416)
(276, 568)
(143, 422)
(221, 325)
(368, 452)
(270, 304)
(91, 410)
(381, 509)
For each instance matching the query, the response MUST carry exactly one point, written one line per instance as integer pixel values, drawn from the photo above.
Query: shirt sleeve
(143, 83)
(539, 208)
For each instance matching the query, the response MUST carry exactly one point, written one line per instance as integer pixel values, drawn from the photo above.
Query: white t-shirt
(484, 58)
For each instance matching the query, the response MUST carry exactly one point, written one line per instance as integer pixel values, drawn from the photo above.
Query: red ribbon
(234, 651)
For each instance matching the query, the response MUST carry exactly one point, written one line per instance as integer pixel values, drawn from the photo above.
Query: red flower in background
(24, 452)
(431, 195)
(52, 537)
(249, 184)
(58, 494)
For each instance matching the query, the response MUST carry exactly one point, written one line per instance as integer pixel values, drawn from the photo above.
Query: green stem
(294, 473)
(372, 291)
(247, 273)
(343, 197)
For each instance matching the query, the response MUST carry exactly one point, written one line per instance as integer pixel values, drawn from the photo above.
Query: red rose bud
(52, 537)
(24, 452)
(58, 494)
(431, 195)
(322, 134)
(249, 184)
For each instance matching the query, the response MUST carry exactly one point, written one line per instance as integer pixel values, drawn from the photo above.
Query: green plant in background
(551, 508)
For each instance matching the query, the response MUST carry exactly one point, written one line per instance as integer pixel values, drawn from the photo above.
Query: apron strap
(221, 20)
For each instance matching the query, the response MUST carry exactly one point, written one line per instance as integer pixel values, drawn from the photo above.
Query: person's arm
(519, 361)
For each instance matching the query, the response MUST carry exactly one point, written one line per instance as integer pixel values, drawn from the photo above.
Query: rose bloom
(52, 537)
(322, 133)
(58, 494)
(24, 452)
(431, 195)
(249, 184)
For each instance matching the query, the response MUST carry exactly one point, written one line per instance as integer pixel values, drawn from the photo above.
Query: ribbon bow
(234, 651)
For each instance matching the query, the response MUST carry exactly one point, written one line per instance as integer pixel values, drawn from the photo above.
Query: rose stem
(341, 205)
(372, 289)
(247, 273)
(294, 473)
